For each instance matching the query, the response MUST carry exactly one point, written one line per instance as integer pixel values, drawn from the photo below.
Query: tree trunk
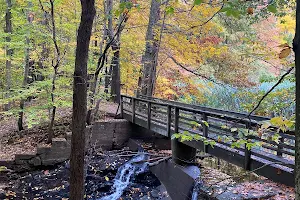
(149, 60)
(26, 70)
(8, 29)
(107, 78)
(115, 78)
(94, 83)
(55, 68)
(108, 72)
(296, 48)
(22, 102)
(115, 62)
(80, 100)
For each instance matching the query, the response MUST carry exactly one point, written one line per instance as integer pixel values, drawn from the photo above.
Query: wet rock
(53, 184)
(155, 193)
(2, 195)
(145, 198)
(36, 161)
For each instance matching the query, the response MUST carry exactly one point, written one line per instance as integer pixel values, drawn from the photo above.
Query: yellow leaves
(210, 84)
(106, 178)
(10, 194)
(285, 52)
(287, 24)
(3, 168)
(281, 123)
(276, 121)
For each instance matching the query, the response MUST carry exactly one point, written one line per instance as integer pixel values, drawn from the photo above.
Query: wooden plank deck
(272, 160)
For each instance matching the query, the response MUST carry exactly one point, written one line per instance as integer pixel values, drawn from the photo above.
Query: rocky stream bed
(107, 178)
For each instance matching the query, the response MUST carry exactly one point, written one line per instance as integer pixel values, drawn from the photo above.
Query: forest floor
(16, 142)
(226, 180)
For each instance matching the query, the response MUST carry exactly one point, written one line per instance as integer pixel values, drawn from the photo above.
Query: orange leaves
(250, 11)
(285, 52)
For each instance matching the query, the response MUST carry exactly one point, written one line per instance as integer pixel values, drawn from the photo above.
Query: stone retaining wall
(109, 134)
(58, 152)
(103, 134)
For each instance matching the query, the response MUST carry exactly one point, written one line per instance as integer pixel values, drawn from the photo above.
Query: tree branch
(191, 71)
(222, 6)
(270, 90)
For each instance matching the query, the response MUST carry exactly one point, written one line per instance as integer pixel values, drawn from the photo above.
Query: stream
(125, 174)
(107, 178)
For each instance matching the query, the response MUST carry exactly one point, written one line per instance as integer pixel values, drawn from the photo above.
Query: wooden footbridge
(273, 160)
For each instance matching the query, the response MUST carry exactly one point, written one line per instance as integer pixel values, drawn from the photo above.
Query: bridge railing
(168, 117)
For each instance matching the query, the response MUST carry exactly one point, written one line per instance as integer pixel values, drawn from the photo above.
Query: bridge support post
(247, 161)
(279, 147)
(182, 154)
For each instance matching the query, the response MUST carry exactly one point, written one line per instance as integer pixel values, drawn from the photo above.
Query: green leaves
(205, 123)
(272, 8)
(187, 136)
(231, 11)
(170, 10)
(123, 7)
(198, 2)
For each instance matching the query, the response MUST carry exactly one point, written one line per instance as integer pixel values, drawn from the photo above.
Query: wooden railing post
(247, 159)
(149, 114)
(176, 120)
(279, 146)
(181, 153)
(205, 131)
(122, 107)
(169, 120)
(133, 109)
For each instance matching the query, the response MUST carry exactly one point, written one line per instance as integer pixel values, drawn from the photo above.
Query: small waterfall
(124, 175)
(196, 189)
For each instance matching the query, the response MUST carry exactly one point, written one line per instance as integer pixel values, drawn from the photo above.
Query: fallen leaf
(285, 53)
(250, 11)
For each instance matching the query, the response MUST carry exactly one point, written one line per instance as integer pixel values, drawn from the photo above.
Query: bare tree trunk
(26, 70)
(107, 78)
(80, 100)
(296, 47)
(8, 29)
(149, 60)
(95, 78)
(55, 68)
(115, 62)
(115, 78)
(103, 57)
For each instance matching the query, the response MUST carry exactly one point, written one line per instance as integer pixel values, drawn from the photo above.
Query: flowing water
(125, 174)
(196, 189)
